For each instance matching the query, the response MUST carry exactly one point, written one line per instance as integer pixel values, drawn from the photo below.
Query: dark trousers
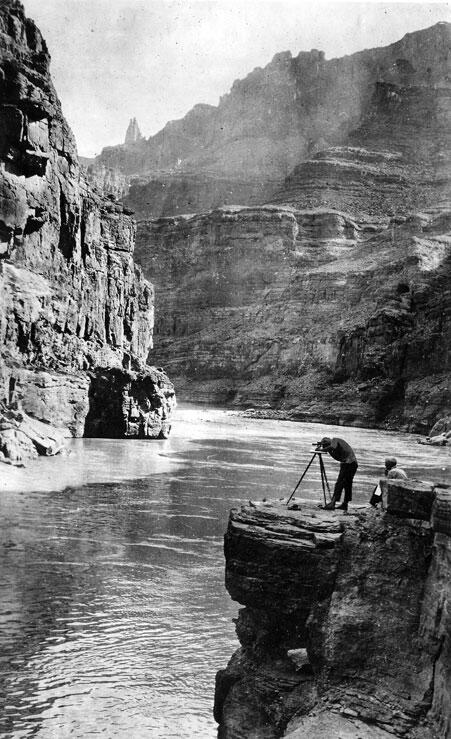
(344, 481)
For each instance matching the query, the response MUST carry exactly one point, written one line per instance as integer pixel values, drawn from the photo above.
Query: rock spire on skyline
(133, 133)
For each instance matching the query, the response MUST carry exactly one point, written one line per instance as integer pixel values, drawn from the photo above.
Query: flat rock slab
(280, 556)
(273, 520)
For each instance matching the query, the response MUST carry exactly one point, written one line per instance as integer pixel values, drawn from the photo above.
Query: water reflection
(113, 612)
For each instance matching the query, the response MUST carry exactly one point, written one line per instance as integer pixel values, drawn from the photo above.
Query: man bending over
(340, 450)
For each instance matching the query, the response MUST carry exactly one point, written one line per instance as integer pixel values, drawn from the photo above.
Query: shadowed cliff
(72, 300)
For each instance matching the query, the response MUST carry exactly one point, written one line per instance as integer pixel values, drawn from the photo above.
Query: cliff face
(168, 194)
(308, 311)
(277, 117)
(108, 182)
(345, 629)
(71, 298)
(332, 302)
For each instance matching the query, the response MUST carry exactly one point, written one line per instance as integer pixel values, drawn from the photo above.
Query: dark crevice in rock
(68, 228)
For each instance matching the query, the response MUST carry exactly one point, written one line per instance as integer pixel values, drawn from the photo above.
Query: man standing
(340, 450)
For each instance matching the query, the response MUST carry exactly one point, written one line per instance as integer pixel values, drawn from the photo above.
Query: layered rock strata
(110, 183)
(168, 193)
(331, 302)
(279, 116)
(308, 311)
(71, 298)
(344, 628)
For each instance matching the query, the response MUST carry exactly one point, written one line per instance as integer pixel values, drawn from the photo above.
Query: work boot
(330, 506)
(343, 507)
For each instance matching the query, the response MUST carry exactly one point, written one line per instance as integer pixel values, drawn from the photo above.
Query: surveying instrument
(324, 481)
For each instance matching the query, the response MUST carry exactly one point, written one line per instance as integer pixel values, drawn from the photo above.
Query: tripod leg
(321, 467)
(325, 478)
(302, 477)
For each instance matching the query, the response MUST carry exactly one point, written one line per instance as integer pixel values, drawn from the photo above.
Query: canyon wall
(72, 300)
(345, 629)
(332, 301)
(309, 312)
(273, 119)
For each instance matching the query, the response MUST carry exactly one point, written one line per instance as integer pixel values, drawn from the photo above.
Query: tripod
(324, 481)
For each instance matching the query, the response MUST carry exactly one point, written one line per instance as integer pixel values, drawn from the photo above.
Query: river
(114, 616)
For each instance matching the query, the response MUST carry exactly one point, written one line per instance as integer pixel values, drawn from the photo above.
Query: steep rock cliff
(170, 193)
(107, 182)
(311, 312)
(277, 117)
(71, 298)
(345, 629)
(331, 302)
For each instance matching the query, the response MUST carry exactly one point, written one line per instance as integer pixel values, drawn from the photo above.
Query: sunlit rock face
(311, 312)
(344, 629)
(332, 301)
(71, 298)
(277, 117)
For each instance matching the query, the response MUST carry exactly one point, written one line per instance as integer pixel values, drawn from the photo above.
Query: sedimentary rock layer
(168, 194)
(331, 302)
(280, 115)
(309, 311)
(344, 628)
(71, 298)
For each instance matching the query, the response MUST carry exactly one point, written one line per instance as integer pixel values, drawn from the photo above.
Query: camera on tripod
(317, 452)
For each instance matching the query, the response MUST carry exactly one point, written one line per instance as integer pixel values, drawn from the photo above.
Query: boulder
(23, 437)
(410, 498)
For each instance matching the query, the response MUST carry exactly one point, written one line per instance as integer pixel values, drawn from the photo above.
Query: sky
(154, 59)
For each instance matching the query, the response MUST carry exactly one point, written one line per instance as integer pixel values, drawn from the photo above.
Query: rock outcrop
(23, 438)
(108, 182)
(133, 134)
(345, 628)
(72, 300)
(332, 301)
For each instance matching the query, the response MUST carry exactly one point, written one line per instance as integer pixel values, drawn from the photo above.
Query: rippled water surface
(114, 618)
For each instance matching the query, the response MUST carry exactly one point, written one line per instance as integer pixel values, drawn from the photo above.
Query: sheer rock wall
(344, 628)
(275, 118)
(71, 297)
(332, 301)
(310, 312)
